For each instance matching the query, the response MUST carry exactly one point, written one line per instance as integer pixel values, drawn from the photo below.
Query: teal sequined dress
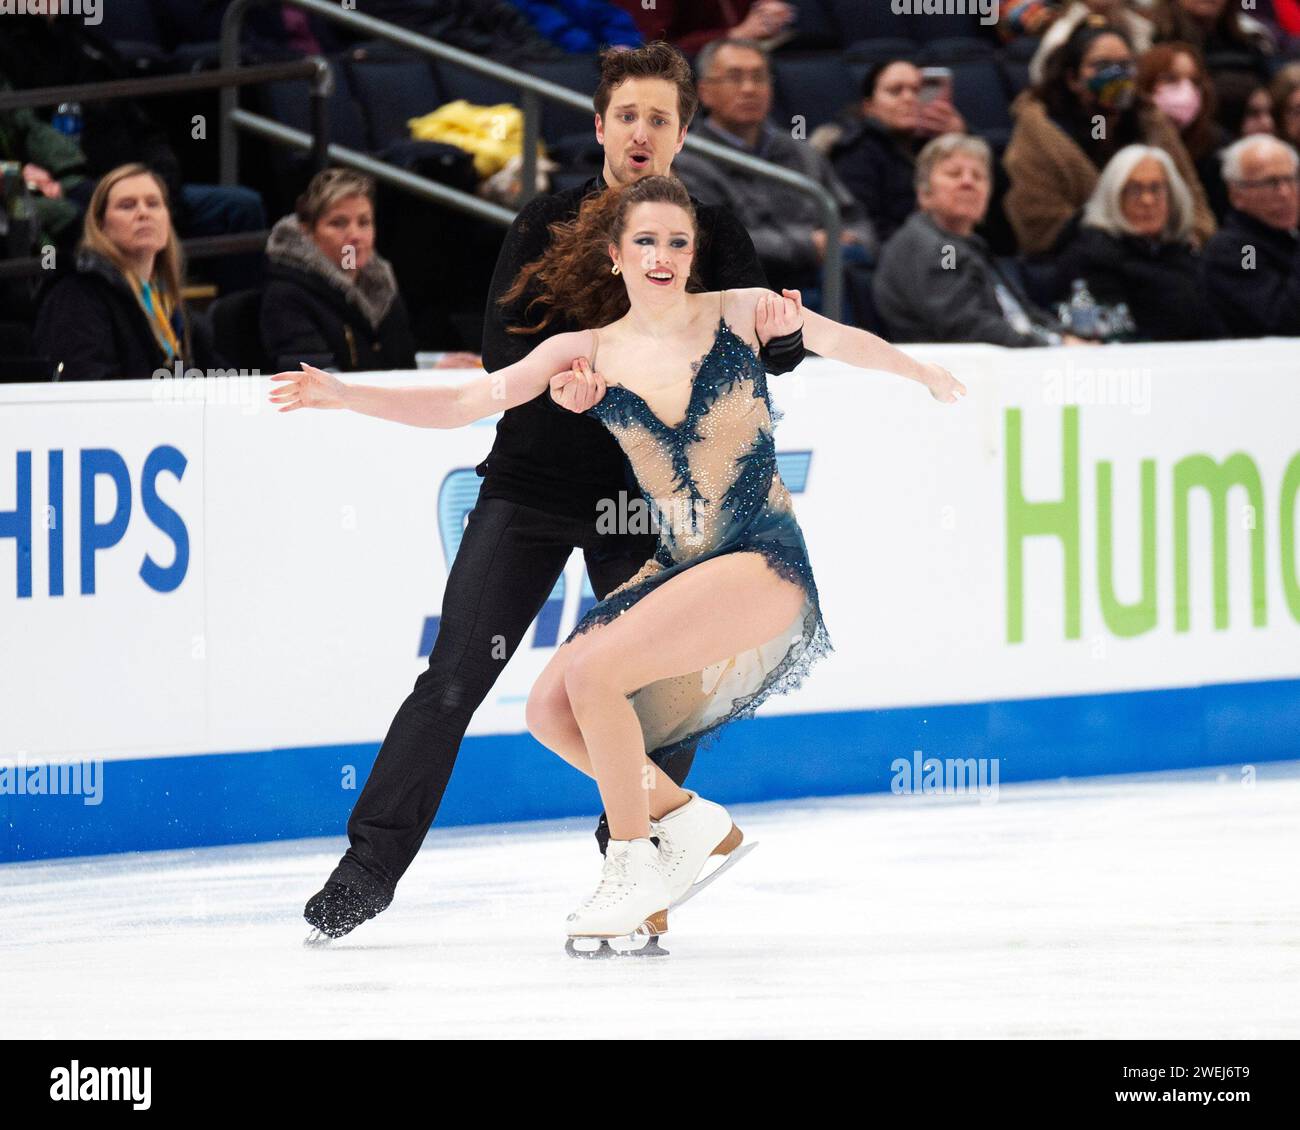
(712, 485)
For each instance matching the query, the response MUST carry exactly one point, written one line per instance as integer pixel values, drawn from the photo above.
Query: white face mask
(1179, 101)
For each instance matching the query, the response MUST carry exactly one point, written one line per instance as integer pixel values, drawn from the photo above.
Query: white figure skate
(689, 837)
(630, 903)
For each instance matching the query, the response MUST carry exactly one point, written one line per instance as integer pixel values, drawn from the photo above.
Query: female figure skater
(726, 612)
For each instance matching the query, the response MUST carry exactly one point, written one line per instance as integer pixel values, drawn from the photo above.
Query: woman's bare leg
(706, 614)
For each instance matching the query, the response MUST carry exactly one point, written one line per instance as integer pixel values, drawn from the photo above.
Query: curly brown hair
(574, 275)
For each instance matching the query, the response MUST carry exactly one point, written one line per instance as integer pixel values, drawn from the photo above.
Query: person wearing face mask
(1172, 78)
(1236, 46)
(1133, 248)
(1070, 125)
(1118, 13)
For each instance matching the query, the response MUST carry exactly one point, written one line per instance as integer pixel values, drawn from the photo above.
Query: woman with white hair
(1135, 247)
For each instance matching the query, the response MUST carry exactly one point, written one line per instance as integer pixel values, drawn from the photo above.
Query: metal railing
(532, 91)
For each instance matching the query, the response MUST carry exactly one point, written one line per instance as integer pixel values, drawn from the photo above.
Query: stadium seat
(290, 104)
(457, 82)
(868, 52)
(236, 332)
(814, 27)
(868, 19)
(927, 29)
(390, 94)
(816, 87)
(577, 73)
(131, 27)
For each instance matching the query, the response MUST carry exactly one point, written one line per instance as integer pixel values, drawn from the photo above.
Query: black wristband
(784, 353)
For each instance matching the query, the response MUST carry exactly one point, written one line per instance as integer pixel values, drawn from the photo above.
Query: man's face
(737, 91)
(641, 131)
(1268, 189)
(958, 190)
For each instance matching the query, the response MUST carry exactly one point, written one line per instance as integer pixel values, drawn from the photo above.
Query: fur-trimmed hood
(372, 289)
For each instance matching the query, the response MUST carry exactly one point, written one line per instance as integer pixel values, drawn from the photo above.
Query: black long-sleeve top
(565, 462)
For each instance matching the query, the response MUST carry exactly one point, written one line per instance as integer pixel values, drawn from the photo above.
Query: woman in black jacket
(876, 148)
(120, 314)
(331, 301)
(1134, 247)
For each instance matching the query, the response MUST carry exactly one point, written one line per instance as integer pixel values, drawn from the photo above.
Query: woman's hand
(578, 389)
(776, 317)
(312, 388)
(943, 386)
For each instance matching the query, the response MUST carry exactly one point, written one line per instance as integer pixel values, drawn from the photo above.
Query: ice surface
(1163, 906)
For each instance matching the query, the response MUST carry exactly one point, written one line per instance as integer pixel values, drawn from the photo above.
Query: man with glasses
(735, 84)
(1251, 268)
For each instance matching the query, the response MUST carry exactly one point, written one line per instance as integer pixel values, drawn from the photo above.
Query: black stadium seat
(390, 94)
(236, 330)
(578, 73)
(816, 87)
(814, 27)
(290, 104)
(868, 19)
(457, 82)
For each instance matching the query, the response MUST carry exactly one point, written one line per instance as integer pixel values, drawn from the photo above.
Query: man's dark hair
(704, 60)
(655, 60)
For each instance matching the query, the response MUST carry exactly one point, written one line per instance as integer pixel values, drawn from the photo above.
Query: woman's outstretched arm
(853, 346)
(437, 406)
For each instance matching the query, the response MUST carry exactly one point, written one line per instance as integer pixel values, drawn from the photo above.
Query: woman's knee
(547, 713)
(591, 677)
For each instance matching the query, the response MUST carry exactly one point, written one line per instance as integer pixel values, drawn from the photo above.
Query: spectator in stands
(581, 25)
(121, 315)
(936, 280)
(874, 149)
(1253, 116)
(1251, 269)
(53, 166)
(1134, 248)
(1285, 98)
(690, 24)
(1070, 125)
(1118, 13)
(1172, 78)
(331, 301)
(735, 83)
(1236, 47)
(54, 50)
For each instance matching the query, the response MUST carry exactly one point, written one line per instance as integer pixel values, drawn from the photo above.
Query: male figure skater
(548, 470)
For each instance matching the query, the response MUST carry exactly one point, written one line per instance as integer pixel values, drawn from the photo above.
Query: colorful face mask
(1180, 101)
(1113, 86)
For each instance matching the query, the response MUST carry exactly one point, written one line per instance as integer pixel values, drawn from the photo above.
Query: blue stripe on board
(175, 802)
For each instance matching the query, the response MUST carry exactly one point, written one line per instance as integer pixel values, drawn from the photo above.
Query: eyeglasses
(1273, 184)
(739, 78)
(1135, 190)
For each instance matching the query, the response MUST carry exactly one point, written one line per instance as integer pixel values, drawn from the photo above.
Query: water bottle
(67, 120)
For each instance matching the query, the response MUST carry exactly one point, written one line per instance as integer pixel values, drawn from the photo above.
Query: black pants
(509, 560)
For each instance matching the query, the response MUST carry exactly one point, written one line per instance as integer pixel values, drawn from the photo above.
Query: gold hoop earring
(614, 270)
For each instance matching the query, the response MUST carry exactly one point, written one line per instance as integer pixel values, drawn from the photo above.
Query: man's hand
(939, 117)
(42, 181)
(578, 388)
(776, 317)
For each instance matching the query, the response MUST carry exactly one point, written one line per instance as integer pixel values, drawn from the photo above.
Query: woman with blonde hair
(120, 314)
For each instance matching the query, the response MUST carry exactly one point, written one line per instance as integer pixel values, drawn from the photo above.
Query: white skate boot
(689, 837)
(630, 902)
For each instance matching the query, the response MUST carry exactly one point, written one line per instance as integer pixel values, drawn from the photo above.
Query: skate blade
(728, 862)
(642, 942)
(316, 938)
(600, 948)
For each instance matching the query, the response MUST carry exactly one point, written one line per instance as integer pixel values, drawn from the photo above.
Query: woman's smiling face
(656, 249)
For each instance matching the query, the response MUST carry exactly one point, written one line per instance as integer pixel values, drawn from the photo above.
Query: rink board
(1078, 570)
